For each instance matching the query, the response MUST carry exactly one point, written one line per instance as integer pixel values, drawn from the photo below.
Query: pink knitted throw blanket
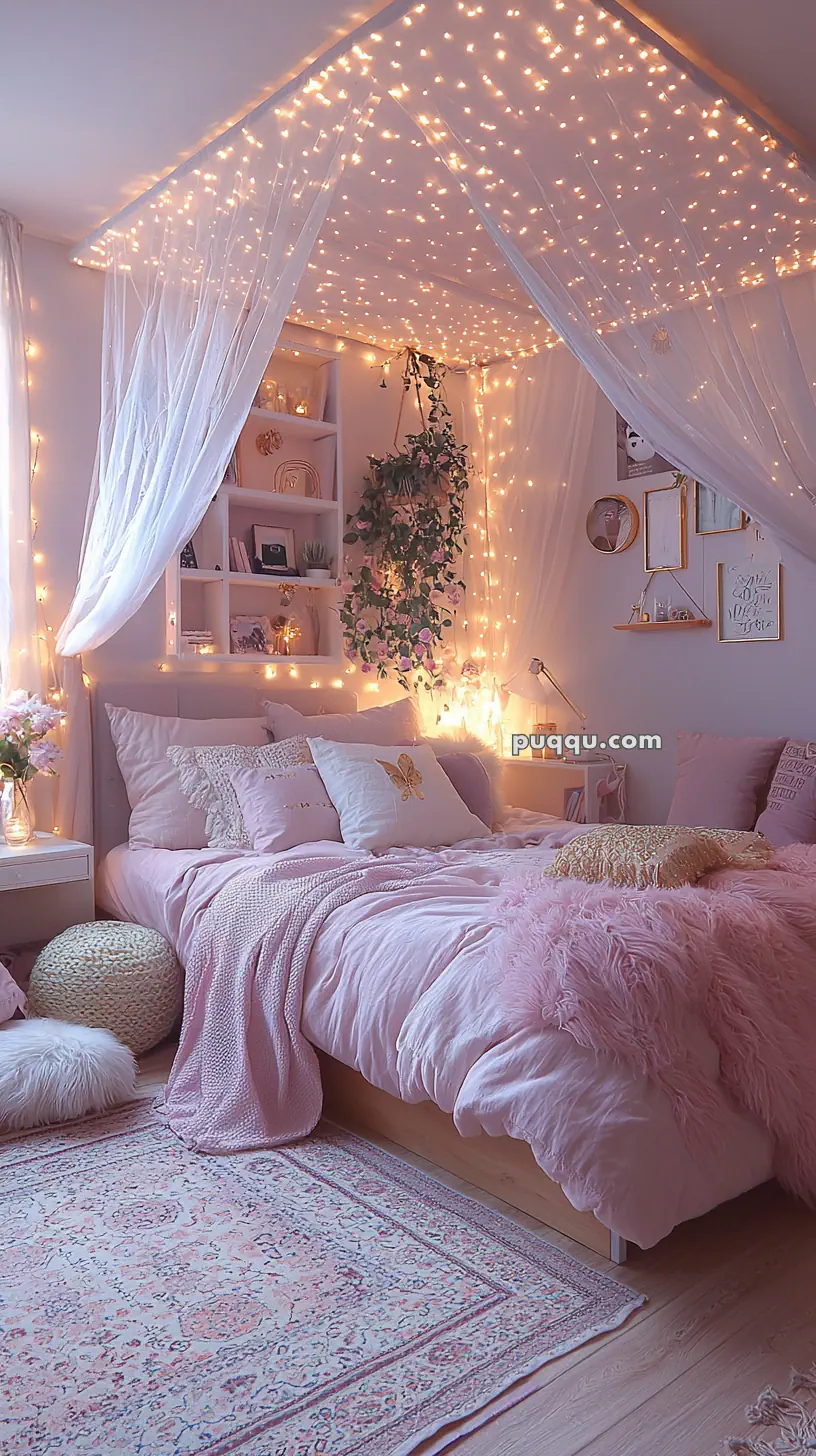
(244, 1075)
(636, 974)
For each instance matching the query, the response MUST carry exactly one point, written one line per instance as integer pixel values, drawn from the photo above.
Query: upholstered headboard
(180, 695)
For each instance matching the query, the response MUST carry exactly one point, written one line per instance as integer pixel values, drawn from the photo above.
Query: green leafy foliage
(411, 526)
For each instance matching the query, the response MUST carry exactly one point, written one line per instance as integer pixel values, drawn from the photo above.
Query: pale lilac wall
(659, 682)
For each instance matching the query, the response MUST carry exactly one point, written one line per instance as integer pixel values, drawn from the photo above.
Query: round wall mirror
(612, 523)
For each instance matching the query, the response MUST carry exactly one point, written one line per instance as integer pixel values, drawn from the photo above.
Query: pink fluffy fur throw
(637, 973)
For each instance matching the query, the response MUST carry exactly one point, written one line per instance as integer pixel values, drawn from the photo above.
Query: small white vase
(318, 573)
(15, 814)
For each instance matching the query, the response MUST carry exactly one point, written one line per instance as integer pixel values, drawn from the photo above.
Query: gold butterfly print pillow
(393, 798)
(405, 774)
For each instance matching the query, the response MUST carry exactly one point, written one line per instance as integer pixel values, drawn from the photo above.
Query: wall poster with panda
(636, 455)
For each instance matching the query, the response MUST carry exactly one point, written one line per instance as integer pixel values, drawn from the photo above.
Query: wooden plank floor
(732, 1306)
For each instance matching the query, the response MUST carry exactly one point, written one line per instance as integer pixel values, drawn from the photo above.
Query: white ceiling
(100, 98)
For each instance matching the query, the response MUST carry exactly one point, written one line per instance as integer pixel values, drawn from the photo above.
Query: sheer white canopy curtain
(199, 281)
(657, 229)
(530, 423)
(19, 642)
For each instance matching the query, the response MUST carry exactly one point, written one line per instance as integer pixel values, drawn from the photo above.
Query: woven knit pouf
(111, 974)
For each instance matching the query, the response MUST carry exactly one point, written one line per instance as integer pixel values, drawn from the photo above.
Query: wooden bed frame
(501, 1166)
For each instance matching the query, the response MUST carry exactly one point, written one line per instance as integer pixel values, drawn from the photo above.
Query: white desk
(45, 886)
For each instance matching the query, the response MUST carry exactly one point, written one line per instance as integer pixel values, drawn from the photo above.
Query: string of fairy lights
(633, 194)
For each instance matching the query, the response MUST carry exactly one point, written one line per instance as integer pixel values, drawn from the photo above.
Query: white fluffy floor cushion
(51, 1071)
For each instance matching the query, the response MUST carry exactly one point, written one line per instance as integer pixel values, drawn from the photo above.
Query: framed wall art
(749, 601)
(664, 528)
(714, 512)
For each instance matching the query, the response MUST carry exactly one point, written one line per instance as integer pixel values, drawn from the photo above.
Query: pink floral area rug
(323, 1299)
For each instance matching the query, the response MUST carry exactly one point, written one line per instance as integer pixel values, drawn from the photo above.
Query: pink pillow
(471, 781)
(390, 723)
(720, 780)
(11, 997)
(284, 807)
(790, 815)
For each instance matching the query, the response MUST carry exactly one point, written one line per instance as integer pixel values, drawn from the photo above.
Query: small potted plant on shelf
(24, 723)
(315, 564)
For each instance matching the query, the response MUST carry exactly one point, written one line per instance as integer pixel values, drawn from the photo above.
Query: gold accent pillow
(642, 855)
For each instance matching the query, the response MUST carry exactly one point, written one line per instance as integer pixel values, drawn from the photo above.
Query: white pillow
(392, 723)
(161, 817)
(206, 779)
(387, 798)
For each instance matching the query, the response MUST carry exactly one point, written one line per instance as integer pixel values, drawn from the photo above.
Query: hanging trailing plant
(411, 526)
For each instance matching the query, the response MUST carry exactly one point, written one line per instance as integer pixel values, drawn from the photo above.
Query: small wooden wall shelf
(663, 626)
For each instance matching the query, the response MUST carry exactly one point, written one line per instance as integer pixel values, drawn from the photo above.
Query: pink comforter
(626, 972)
(405, 987)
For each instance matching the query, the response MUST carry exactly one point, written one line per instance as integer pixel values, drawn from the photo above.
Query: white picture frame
(250, 635)
(749, 601)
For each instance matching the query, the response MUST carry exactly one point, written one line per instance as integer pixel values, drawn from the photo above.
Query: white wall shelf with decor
(286, 480)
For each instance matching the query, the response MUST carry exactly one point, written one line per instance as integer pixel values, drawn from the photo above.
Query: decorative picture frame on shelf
(664, 527)
(274, 550)
(612, 524)
(250, 636)
(297, 477)
(749, 601)
(232, 474)
(188, 561)
(714, 512)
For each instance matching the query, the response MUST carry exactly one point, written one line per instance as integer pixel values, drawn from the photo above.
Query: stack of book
(238, 556)
(201, 643)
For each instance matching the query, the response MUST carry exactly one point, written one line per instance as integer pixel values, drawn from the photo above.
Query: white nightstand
(544, 784)
(45, 886)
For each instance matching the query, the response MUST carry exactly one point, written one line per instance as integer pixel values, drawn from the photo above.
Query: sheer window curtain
(655, 228)
(197, 290)
(19, 638)
(530, 425)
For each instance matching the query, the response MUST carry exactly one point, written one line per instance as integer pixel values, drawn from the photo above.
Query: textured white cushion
(161, 817)
(392, 723)
(388, 797)
(206, 779)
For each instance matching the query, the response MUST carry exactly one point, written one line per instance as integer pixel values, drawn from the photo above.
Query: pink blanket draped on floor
(627, 972)
(245, 1076)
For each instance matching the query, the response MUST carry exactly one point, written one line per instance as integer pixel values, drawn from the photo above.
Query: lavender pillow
(471, 781)
(284, 807)
(720, 781)
(790, 814)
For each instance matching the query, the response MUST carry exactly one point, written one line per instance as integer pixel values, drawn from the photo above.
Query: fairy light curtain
(657, 230)
(532, 420)
(19, 644)
(200, 277)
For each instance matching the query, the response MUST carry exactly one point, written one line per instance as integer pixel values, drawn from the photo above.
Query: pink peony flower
(405, 664)
(382, 649)
(438, 556)
(362, 625)
(361, 525)
(366, 667)
(424, 635)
